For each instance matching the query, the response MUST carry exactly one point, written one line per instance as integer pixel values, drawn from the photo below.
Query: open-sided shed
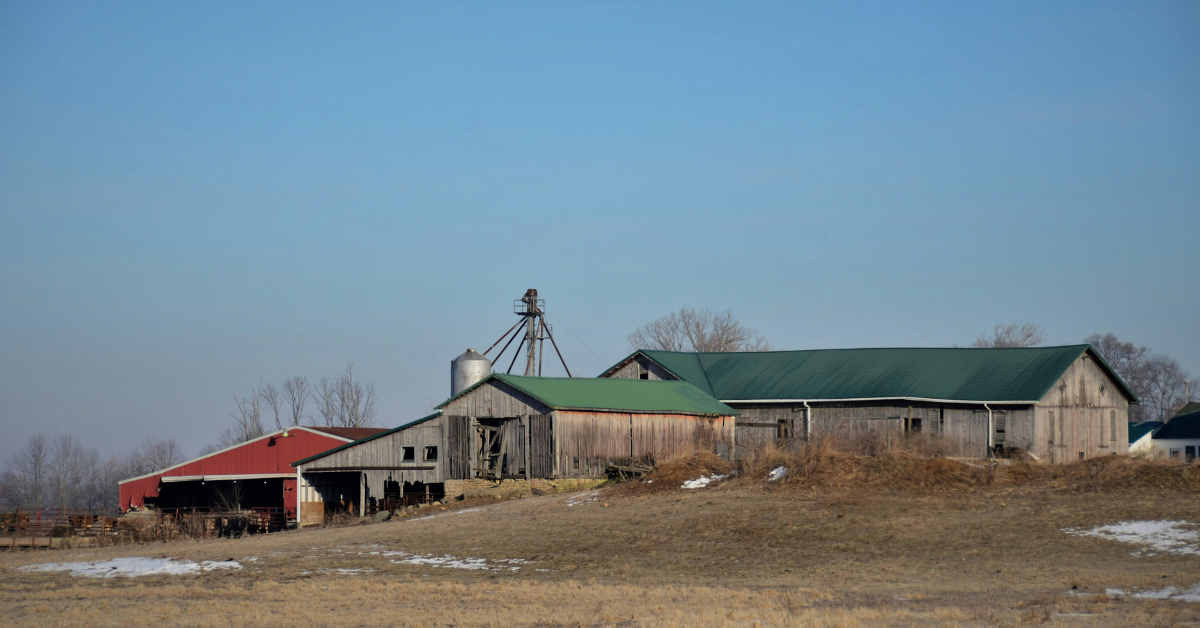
(253, 474)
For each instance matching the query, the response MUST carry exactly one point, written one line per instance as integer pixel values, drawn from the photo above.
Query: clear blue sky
(192, 198)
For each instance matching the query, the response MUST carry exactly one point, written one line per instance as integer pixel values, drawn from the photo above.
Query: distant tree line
(60, 472)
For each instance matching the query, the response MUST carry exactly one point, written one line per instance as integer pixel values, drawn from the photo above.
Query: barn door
(541, 446)
(458, 447)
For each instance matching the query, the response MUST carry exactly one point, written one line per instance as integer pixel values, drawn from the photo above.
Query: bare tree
(689, 329)
(346, 402)
(67, 461)
(100, 487)
(1010, 336)
(296, 392)
(270, 396)
(153, 455)
(1156, 379)
(25, 479)
(1164, 387)
(247, 421)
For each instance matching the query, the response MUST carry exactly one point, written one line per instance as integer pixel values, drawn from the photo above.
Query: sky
(197, 197)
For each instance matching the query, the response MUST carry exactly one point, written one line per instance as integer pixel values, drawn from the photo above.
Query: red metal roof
(272, 454)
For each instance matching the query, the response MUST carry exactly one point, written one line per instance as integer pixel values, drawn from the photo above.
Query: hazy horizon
(192, 198)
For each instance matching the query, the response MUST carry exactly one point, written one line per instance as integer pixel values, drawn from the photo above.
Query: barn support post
(362, 494)
(991, 439)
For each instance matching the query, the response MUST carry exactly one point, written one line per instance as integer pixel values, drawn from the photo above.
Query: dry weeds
(846, 540)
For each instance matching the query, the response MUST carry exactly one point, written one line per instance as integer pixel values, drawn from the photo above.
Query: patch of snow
(346, 572)
(511, 564)
(1172, 537)
(585, 498)
(777, 474)
(251, 559)
(136, 566)
(703, 481)
(446, 514)
(1173, 594)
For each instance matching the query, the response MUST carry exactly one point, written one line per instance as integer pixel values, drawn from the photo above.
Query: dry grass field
(968, 551)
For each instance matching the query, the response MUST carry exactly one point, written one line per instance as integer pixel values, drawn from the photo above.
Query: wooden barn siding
(598, 439)
(1082, 403)
(494, 400)
(631, 370)
(964, 425)
(387, 452)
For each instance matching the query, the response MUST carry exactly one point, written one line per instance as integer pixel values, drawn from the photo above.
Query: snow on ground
(136, 566)
(1169, 593)
(1172, 537)
(511, 564)
(445, 514)
(584, 498)
(703, 481)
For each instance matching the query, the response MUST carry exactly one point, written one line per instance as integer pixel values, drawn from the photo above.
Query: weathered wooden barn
(1058, 403)
(516, 428)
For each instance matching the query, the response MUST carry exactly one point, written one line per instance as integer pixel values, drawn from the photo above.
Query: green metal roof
(622, 395)
(975, 375)
(368, 438)
(1188, 408)
(1141, 428)
(1181, 427)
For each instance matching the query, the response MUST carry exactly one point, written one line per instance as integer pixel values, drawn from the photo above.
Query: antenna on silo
(534, 331)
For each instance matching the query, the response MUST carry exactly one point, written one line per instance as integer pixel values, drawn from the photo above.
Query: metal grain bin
(467, 370)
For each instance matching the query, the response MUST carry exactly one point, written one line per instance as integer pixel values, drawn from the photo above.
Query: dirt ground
(719, 556)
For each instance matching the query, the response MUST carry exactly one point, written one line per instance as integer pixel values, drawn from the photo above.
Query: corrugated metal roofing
(978, 375)
(1184, 426)
(623, 395)
(1188, 408)
(353, 433)
(270, 454)
(370, 437)
(1141, 428)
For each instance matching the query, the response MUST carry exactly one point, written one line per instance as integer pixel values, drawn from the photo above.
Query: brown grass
(725, 556)
(672, 472)
(827, 463)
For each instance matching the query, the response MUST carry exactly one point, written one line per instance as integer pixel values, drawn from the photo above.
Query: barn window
(1112, 424)
(576, 463)
(1051, 427)
(643, 371)
(409, 453)
(1081, 455)
(431, 453)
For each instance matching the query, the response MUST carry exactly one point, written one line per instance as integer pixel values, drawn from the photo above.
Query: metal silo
(467, 370)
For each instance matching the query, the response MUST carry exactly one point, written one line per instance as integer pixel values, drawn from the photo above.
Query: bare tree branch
(346, 402)
(1010, 336)
(247, 421)
(689, 329)
(1156, 379)
(270, 396)
(296, 393)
